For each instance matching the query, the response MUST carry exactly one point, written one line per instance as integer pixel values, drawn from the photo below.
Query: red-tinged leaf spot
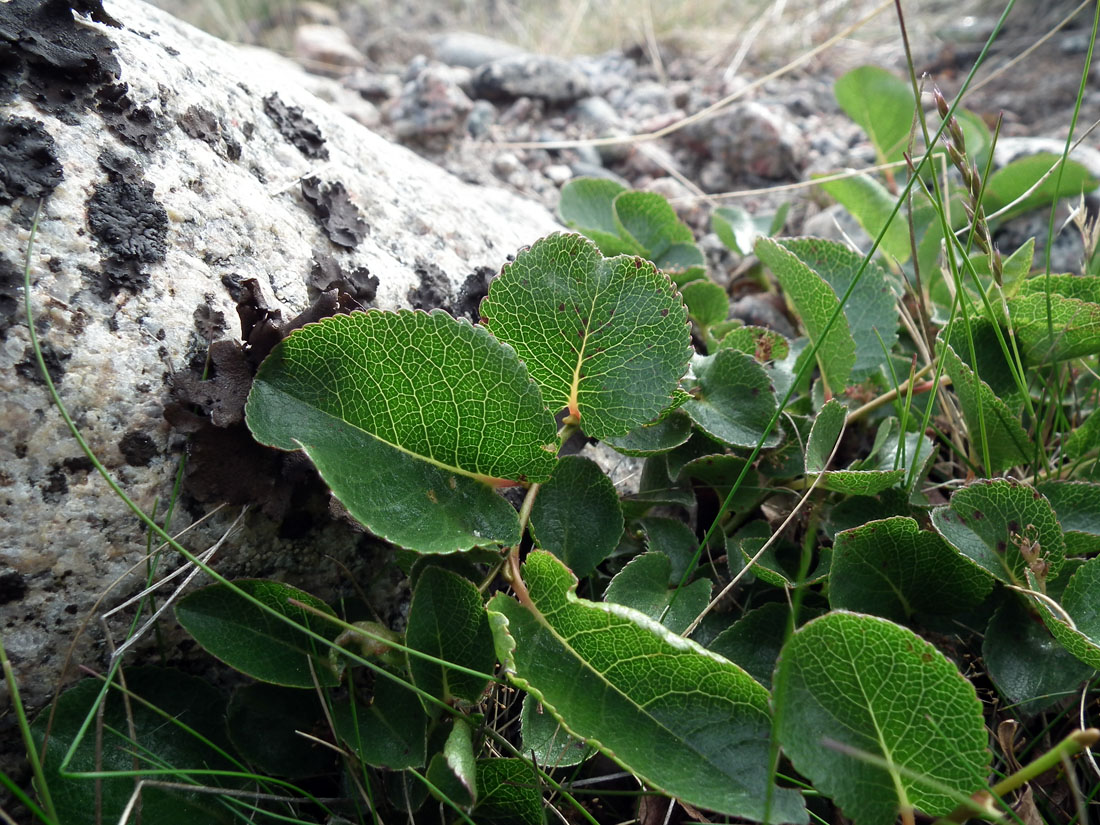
(561, 307)
(664, 312)
(1014, 526)
(978, 515)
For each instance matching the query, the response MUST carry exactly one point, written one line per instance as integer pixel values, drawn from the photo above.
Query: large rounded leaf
(894, 569)
(606, 338)
(685, 721)
(256, 642)
(878, 719)
(411, 418)
(996, 522)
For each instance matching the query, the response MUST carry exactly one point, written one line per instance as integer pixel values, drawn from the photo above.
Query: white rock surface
(235, 210)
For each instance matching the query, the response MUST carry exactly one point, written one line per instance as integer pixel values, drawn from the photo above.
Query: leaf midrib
(619, 610)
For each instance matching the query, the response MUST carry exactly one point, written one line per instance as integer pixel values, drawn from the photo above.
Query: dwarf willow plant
(939, 444)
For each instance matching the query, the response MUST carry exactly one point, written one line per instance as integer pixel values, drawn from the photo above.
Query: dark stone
(472, 292)
(28, 160)
(137, 448)
(296, 127)
(338, 216)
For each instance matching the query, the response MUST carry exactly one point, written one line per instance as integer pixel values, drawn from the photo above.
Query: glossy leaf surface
(256, 643)
(606, 339)
(447, 620)
(577, 515)
(410, 418)
(990, 521)
(815, 303)
(733, 399)
(891, 568)
(873, 687)
(688, 723)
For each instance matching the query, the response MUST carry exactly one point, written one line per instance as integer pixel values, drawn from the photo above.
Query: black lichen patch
(209, 323)
(54, 61)
(338, 216)
(138, 448)
(202, 124)
(54, 486)
(13, 587)
(28, 160)
(327, 274)
(226, 463)
(472, 292)
(55, 364)
(139, 126)
(298, 129)
(11, 298)
(434, 290)
(131, 226)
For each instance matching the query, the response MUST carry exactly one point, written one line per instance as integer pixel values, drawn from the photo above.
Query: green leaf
(644, 586)
(1012, 180)
(672, 538)
(651, 221)
(1008, 443)
(853, 482)
(891, 568)
(607, 339)
(684, 721)
(1017, 266)
(733, 399)
(447, 620)
(1084, 438)
(682, 262)
(1026, 664)
(871, 311)
(256, 643)
(882, 104)
(872, 205)
(988, 522)
(736, 228)
(510, 793)
(876, 688)
(1072, 329)
(159, 743)
(546, 740)
(587, 205)
(815, 302)
(577, 515)
(454, 771)
(761, 343)
(1080, 635)
(1077, 504)
(1083, 288)
(391, 732)
(263, 721)
(754, 640)
(824, 435)
(657, 437)
(707, 302)
(409, 417)
(720, 472)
